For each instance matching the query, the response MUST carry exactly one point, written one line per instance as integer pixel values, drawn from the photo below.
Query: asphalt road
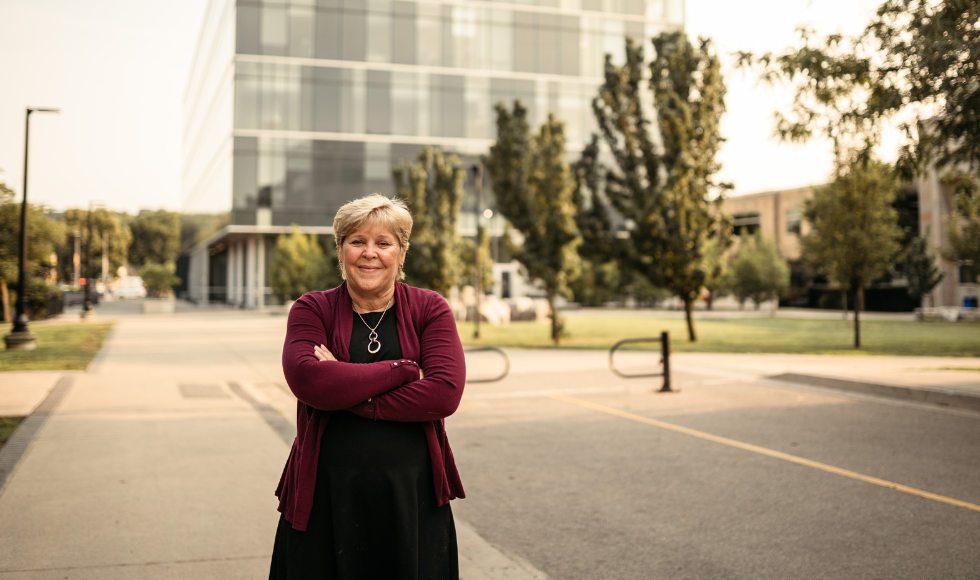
(581, 493)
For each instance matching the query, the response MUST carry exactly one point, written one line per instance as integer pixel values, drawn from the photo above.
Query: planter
(159, 305)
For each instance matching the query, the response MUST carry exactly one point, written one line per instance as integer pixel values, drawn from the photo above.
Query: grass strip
(60, 347)
(7, 427)
(744, 335)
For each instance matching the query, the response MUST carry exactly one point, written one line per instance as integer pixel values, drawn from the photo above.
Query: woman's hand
(323, 354)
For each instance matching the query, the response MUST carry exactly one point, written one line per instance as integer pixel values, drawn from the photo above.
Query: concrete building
(294, 107)
(958, 287)
(777, 214)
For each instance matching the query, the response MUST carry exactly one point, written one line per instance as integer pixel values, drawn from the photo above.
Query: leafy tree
(197, 227)
(963, 226)
(299, 265)
(159, 278)
(758, 271)
(43, 234)
(663, 191)
(533, 187)
(601, 278)
(433, 190)
(918, 60)
(156, 237)
(920, 268)
(719, 284)
(468, 258)
(598, 282)
(854, 235)
(117, 237)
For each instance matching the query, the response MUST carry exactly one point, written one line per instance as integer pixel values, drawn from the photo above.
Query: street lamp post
(21, 338)
(477, 266)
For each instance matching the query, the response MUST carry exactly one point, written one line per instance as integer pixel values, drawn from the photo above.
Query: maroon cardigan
(385, 390)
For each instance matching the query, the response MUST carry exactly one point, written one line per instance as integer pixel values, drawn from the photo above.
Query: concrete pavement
(151, 466)
(160, 462)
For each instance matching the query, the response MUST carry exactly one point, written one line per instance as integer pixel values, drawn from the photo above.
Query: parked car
(130, 287)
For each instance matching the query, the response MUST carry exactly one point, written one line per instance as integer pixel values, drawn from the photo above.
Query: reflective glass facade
(326, 95)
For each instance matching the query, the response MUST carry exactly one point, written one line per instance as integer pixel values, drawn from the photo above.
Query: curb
(942, 398)
(16, 447)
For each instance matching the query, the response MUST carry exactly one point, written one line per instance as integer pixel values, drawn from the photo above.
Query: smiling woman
(365, 492)
(372, 241)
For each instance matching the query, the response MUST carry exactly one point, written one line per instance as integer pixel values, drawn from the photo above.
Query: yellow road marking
(768, 452)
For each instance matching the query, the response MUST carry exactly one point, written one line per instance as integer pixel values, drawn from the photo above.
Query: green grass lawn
(7, 427)
(60, 347)
(745, 335)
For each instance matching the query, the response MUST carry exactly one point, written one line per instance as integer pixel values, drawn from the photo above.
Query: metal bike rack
(664, 340)
(490, 349)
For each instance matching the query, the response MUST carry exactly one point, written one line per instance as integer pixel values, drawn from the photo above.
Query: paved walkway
(156, 464)
(159, 462)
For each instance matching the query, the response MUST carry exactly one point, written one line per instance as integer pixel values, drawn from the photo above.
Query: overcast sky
(117, 69)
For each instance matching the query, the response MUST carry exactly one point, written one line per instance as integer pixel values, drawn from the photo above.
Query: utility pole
(20, 337)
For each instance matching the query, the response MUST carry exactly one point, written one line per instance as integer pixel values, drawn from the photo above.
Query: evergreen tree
(433, 190)
(533, 187)
(920, 268)
(663, 189)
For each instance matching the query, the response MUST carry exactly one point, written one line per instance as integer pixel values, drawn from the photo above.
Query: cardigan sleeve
(333, 385)
(437, 395)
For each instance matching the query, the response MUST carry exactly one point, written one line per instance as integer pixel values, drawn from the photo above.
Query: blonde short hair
(374, 209)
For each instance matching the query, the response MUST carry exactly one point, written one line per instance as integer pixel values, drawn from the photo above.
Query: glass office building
(295, 107)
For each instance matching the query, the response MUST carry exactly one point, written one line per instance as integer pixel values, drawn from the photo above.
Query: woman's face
(371, 257)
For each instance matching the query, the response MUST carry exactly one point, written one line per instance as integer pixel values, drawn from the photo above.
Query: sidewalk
(151, 466)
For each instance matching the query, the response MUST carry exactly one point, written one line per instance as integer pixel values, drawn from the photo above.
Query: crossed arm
(386, 390)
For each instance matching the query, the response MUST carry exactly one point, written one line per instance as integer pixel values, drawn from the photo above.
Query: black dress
(374, 509)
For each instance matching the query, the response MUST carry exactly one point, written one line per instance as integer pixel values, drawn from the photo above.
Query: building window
(967, 274)
(794, 217)
(378, 102)
(746, 223)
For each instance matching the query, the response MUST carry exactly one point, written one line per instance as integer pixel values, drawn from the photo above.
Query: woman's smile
(372, 257)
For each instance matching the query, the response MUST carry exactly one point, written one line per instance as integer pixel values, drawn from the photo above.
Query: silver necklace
(373, 335)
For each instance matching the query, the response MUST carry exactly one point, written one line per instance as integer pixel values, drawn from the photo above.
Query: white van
(130, 287)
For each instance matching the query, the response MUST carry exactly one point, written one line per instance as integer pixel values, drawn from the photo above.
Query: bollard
(665, 353)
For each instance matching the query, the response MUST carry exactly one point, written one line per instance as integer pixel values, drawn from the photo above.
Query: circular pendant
(373, 342)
